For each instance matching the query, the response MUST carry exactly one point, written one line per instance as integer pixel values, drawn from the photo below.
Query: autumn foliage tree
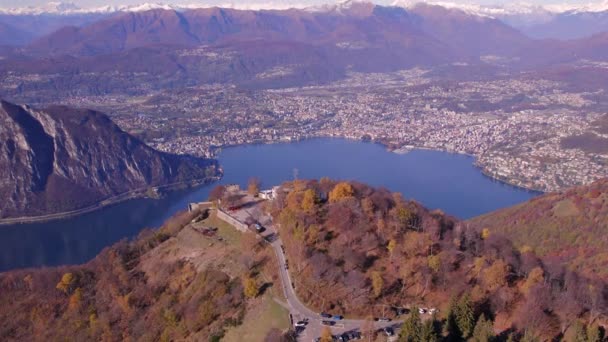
(326, 335)
(309, 200)
(217, 193)
(250, 287)
(341, 191)
(66, 282)
(253, 186)
(366, 246)
(377, 283)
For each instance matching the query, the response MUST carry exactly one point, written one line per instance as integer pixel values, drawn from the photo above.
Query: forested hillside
(566, 227)
(361, 251)
(173, 284)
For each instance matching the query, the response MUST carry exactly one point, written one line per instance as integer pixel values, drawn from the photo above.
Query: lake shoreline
(108, 202)
(400, 151)
(142, 192)
(436, 179)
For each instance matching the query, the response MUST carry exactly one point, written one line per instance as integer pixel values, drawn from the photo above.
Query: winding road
(296, 308)
(299, 311)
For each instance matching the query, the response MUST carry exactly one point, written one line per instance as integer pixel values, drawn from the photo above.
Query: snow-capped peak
(510, 8)
(344, 6)
(341, 6)
(68, 8)
(600, 6)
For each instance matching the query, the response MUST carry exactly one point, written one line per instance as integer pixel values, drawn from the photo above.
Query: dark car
(342, 338)
(325, 315)
(401, 311)
(389, 331)
(328, 323)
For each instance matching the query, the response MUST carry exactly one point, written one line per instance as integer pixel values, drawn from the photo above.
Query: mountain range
(561, 21)
(59, 159)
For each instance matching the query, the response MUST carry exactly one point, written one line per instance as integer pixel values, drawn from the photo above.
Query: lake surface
(440, 180)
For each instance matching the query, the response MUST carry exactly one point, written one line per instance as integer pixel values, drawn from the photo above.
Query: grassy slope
(268, 312)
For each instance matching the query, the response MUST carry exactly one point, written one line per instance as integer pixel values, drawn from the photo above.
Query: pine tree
(465, 317)
(593, 333)
(484, 330)
(411, 328)
(428, 333)
(450, 328)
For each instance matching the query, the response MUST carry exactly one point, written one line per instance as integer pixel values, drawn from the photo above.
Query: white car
(422, 310)
(301, 324)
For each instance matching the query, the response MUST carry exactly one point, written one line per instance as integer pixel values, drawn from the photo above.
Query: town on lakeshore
(532, 133)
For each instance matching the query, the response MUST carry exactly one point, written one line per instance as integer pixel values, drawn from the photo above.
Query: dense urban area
(530, 132)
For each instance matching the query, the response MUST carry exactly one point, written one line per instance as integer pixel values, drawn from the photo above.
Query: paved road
(300, 311)
(297, 309)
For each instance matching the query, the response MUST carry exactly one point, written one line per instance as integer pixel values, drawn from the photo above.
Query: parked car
(325, 315)
(422, 310)
(259, 228)
(401, 311)
(338, 317)
(328, 323)
(389, 331)
(433, 311)
(383, 319)
(301, 323)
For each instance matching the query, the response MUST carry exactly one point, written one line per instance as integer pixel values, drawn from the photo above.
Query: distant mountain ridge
(558, 21)
(60, 159)
(425, 33)
(519, 7)
(313, 46)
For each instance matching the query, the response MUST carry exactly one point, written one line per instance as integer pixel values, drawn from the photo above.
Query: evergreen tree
(484, 330)
(428, 333)
(450, 328)
(593, 333)
(465, 317)
(411, 330)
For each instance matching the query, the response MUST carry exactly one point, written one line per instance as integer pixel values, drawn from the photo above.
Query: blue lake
(438, 180)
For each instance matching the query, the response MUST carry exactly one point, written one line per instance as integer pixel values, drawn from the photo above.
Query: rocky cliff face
(59, 159)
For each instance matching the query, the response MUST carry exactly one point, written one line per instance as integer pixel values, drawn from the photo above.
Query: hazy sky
(283, 3)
